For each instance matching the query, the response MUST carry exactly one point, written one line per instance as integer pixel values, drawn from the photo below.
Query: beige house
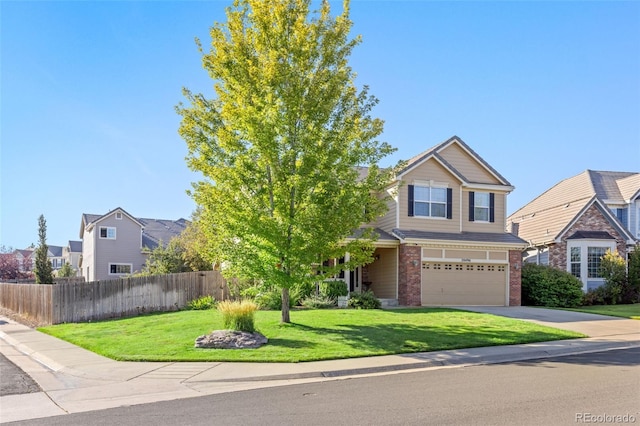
(571, 225)
(443, 239)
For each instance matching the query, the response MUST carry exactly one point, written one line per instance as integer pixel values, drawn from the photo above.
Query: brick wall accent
(515, 277)
(591, 220)
(409, 275)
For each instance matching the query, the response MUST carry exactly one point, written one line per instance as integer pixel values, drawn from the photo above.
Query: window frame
(416, 197)
(107, 229)
(111, 265)
(593, 271)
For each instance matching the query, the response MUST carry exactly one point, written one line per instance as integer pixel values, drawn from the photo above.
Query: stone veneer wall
(591, 220)
(515, 277)
(409, 275)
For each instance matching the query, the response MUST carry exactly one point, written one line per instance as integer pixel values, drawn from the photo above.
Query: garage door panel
(463, 284)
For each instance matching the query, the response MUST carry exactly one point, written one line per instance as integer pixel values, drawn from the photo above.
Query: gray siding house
(116, 244)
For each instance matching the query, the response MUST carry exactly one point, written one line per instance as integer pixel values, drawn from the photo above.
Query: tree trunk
(285, 306)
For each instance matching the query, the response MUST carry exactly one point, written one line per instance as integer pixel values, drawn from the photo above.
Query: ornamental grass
(238, 315)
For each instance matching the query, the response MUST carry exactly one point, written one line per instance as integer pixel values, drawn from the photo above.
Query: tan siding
(430, 170)
(433, 253)
(499, 213)
(498, 255)
(382, 273)
(388, 221)
(467, 165)
(466, 254)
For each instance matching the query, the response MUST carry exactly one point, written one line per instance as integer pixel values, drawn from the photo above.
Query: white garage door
(446, 283)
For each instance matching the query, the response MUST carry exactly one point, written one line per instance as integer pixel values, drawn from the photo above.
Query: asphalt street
(602, 387)
(14, 381)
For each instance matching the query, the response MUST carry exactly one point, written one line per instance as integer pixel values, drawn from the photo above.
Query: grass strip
(311, 336)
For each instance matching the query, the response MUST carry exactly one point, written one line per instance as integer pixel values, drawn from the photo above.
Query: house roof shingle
(547, 216)
(475, 237)
(154, 231)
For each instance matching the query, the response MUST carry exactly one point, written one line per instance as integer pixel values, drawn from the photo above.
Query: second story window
(481, 207)
(429, 201)
(108, 232)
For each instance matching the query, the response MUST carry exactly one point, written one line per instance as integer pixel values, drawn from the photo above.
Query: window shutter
(492, 213)
(410, 210)
(449, 203)
(472, 205)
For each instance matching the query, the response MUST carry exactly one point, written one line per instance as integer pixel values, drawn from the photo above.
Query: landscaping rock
(230, 339)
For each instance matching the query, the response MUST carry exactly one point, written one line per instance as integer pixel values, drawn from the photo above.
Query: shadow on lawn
(406, 338)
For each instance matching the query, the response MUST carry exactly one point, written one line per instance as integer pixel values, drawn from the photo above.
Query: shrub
(270, 300)
(270, 297)
(238, 315)
(546, 286)
(201, 304)
(318, 302)
(333, 288)
(366, 300)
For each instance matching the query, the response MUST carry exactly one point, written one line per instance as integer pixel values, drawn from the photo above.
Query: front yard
(313, 334)
(623, 311)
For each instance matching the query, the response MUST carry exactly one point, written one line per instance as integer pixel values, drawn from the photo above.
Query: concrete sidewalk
(76, 380)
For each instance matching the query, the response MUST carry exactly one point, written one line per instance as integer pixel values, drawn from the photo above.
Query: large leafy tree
(281, 143)
(43, 268)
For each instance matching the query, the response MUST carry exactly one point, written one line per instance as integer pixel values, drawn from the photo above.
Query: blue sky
(541, 90)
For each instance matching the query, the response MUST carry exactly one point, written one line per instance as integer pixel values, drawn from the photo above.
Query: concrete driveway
(590, 324)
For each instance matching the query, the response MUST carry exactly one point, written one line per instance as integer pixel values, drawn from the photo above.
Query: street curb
(463, 361)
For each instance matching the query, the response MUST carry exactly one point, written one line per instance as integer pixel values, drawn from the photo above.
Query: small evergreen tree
(43, 270)
(66, 271)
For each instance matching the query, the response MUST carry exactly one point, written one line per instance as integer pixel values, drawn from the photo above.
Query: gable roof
(546, 218)
(434, 153)
(154, 231)
(75, 246)
(54, 251)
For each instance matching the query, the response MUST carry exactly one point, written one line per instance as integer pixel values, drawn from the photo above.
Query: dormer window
(430, 201)
(108, 232)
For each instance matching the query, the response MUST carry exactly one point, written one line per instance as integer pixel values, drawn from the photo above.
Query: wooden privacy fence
(82, 302)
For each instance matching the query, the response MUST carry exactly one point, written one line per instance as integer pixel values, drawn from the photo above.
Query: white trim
(489, 187)
(584, 245)
(100, 228)
(130, 265)
(430, 183)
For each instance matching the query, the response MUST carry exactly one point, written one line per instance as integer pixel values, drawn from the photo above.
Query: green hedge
(546, 286)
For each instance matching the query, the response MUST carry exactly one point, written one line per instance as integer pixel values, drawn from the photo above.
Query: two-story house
(572, 224)
(71, 254)
(117, 244)
(443, 239)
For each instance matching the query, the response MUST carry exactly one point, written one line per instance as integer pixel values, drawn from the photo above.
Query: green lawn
(312, 335)
(624, 311)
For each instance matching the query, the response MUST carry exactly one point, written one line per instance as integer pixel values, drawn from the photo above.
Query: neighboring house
(71, 255)
(574, 223)
(117, 244)
(26, 260)
(55, 255)
(443, 239)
